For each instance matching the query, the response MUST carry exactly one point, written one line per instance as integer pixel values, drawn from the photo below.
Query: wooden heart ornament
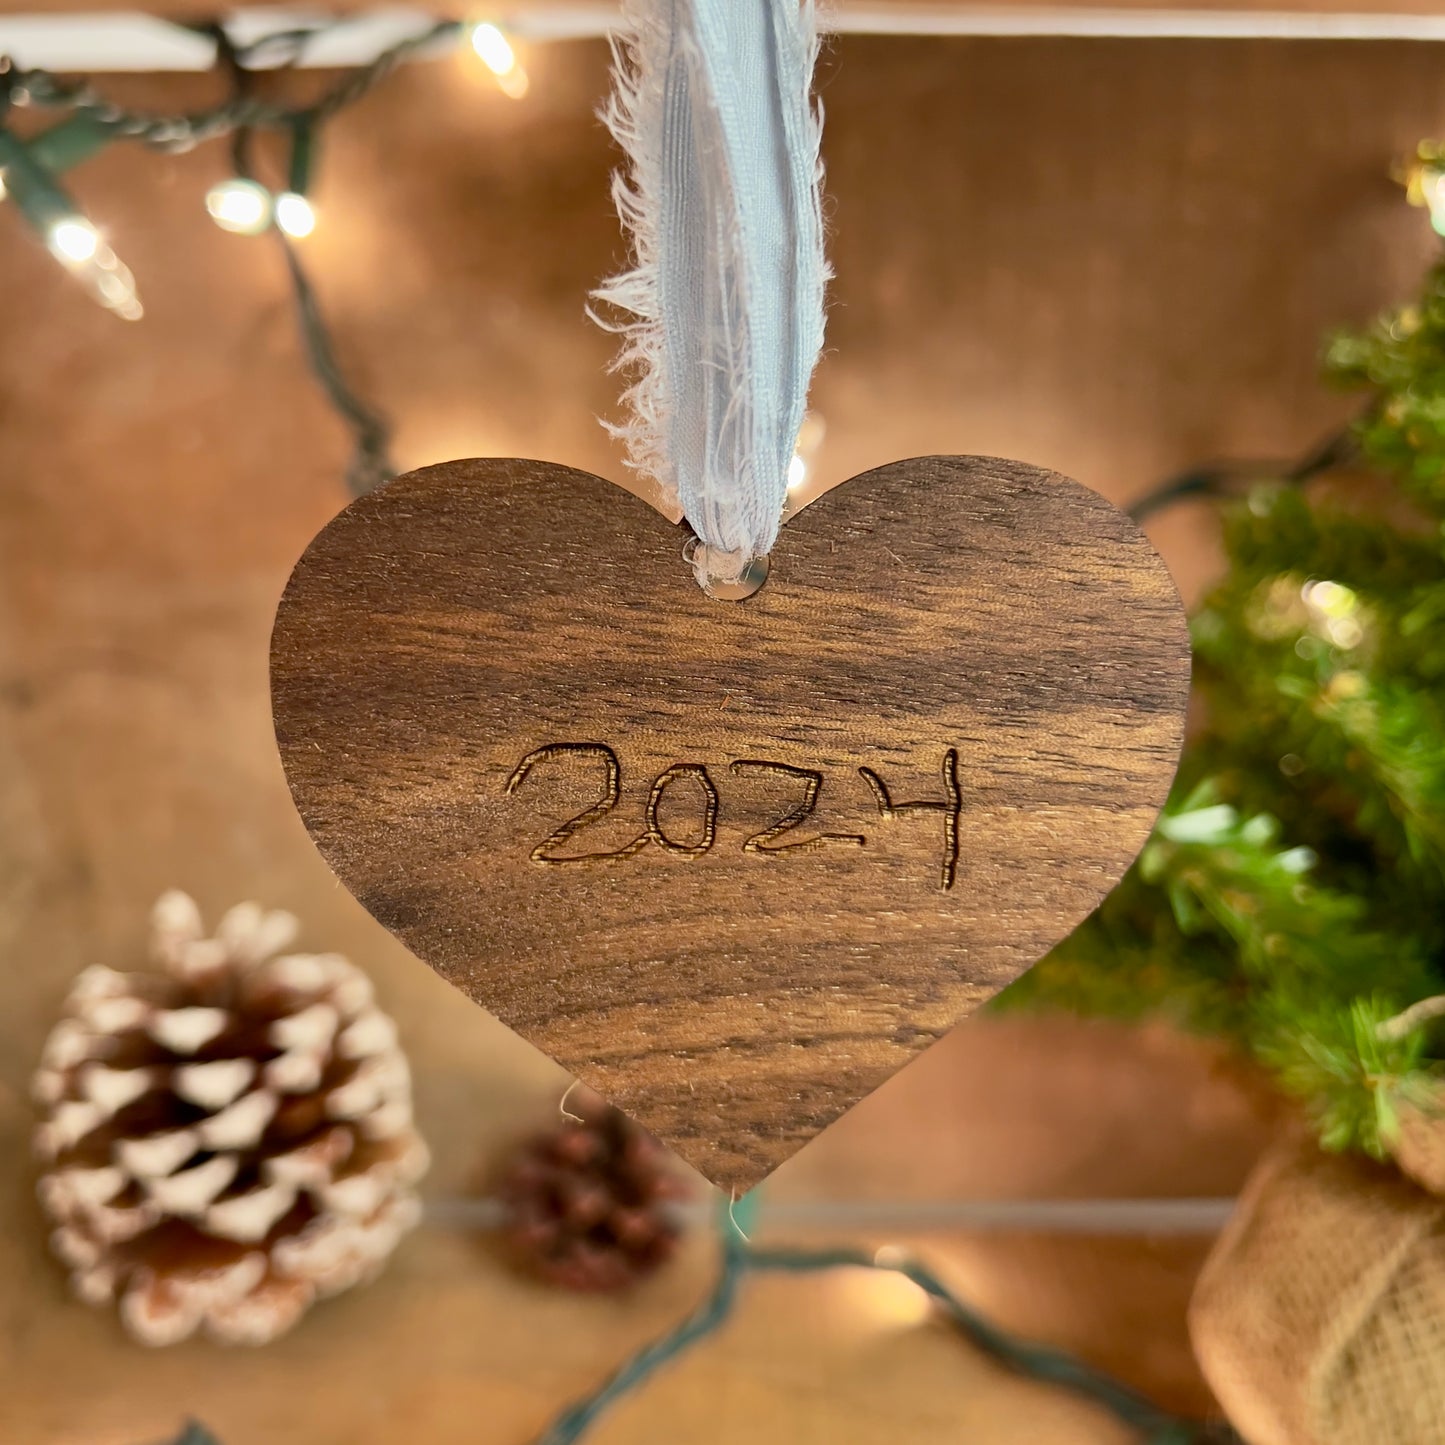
(731, 863)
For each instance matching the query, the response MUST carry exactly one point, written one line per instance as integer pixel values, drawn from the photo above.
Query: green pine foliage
(1292, 897)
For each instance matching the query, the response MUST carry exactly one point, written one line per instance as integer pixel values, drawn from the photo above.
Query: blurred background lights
(800, 468)
(882, 1299)
(1334, 599)
(295, 215)
(240, 206)
(74, 239)
(1432, 192)
(1335, 612)
(1345, 632)
(494, 48)
(500, 58)
(112, 284)
(78, 246)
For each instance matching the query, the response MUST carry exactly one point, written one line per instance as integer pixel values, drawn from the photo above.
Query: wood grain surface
(730, 863)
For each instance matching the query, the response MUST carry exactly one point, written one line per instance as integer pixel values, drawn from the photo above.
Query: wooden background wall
(1111, 258)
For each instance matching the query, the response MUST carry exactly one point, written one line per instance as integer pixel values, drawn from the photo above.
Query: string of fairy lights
(33, 164)
(29, 170)
(741, 1259)
(32, 168)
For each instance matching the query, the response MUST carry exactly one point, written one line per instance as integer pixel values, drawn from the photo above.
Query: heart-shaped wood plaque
(731, 863)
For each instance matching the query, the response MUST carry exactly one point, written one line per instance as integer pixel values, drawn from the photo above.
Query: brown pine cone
(592, 1205)
(226, 1139)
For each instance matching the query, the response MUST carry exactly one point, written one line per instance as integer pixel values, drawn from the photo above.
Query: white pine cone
(227, 1138)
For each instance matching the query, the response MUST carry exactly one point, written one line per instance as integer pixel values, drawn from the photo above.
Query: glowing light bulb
(78, 246)
(74, 240)
(239, 205)
(498, 56)
(294, 215)
(3, 191)
(494, 48)
(1332, 598)
(800, 467)
(1432, 192)
(882, 1298)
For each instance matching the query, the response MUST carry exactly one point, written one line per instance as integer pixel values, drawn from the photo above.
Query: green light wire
(1231, 478)
(182, 132)
(740, 1258)
(99, 121)
(371, 463)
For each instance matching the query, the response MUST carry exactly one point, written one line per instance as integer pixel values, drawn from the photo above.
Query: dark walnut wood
(733, 864)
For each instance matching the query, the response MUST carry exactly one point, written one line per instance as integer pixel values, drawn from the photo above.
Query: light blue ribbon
(713, 104)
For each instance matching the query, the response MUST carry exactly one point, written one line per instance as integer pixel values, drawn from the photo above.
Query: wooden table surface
(451, 1346)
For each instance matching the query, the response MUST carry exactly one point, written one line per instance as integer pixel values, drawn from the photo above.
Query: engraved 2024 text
(773, 840)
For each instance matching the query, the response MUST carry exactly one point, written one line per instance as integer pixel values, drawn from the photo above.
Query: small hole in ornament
(737, 589)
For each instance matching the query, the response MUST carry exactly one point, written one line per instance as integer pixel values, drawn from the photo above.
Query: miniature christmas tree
(1293, 895)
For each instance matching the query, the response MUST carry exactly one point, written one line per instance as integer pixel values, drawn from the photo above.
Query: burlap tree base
(1419, 1144)
(1319, 1318)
